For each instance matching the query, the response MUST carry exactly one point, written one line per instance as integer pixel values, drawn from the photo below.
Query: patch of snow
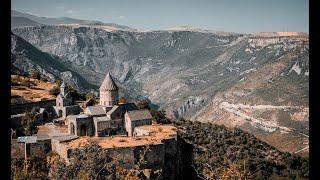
(237, 62)
(182, 50)
(248, 50)
(295, 68)
(242, 79)
(223, 40)
(230, 69)
(248, 71)
(170, 43)
(252, 59)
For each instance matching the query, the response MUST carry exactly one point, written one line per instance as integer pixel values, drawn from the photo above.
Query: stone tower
(108, 92)
(62, 89)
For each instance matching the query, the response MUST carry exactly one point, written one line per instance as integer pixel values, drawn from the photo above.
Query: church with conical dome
(109, 117)
(111, 124)
(108, 92)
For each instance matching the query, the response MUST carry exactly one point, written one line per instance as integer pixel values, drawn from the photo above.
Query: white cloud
(71, 11)
(60, 7)
(121, 17)
(115, 12)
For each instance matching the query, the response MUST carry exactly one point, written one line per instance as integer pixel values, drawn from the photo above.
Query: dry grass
(119, 141)
(39, 89)
(122, 140)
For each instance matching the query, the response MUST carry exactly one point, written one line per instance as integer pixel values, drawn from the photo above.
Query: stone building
(104, 126)
(136, 118)
(97, 110)
(108, 92)
(63, 98)
(108, 118)
(64, 104)
(80, 125)
(28, 146)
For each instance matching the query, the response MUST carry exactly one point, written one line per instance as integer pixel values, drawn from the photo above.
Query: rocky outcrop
(26, 57)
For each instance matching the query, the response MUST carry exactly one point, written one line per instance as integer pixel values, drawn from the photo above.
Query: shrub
(44, 79)
(122, 100)
(28, 122)
(90, 96)
(58, 82)
(90, 162)
(54, 91)
(159, 116)
(143, 104)
(75, 94)
(26, 82)
(35, 74)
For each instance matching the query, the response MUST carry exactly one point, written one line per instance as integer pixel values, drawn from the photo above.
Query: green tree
(75, 94)
(90, 162)
(90, 96)
(143, 104)
(54, 91)
(58, 82)
(122, 100)
(159, 116)
(35, 74)
(28, 122)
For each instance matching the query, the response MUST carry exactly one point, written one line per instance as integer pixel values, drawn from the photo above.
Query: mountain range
(258, 82)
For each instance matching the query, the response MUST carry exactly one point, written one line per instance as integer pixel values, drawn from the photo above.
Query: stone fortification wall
(60, 148)
(39, 149)
(171, 164)
(22, 108)
(17, 149)
(154, 155)
(66, 110)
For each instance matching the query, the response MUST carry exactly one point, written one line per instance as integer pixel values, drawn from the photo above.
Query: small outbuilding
(137, 118)
(80, 125)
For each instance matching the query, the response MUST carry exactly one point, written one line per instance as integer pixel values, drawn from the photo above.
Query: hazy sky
(244, 16)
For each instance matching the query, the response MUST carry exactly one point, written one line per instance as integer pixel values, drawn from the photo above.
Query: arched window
(83, 130)
(60, 113)
(72, 129)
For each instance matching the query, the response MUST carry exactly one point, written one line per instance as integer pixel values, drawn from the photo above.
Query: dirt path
(268, 126)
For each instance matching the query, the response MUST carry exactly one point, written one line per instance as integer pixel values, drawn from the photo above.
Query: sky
(242, 16)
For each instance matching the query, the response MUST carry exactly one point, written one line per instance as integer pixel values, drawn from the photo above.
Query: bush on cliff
(94, 162)
(218, 150)
(54, 91)
(28, 122)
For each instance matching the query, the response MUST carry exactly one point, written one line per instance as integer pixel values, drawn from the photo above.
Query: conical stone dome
(108, 84)
(63, 85)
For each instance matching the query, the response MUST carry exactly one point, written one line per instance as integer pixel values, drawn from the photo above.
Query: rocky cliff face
(188, 73)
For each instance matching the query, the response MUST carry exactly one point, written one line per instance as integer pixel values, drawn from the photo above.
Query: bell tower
(63, 88)
(108, 92)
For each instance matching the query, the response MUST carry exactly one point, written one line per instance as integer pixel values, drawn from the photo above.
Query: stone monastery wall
(22, 108)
